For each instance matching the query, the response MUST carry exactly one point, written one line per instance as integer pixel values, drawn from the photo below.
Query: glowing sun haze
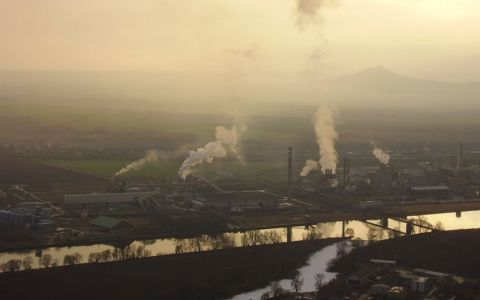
(435, 39)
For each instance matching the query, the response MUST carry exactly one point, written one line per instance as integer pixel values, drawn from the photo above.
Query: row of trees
(227, 240)
(205, 242)
(117, 254)
(45, 261)
(201, 243)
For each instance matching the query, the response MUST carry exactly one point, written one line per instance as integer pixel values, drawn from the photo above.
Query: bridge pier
(289, 234)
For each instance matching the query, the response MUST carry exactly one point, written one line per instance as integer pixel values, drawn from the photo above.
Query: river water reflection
(355, 229)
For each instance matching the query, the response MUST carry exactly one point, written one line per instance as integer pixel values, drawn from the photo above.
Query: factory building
(436, 191)
(243, 200)
(416, 176)
(16, 219)
(27, 215)
(106, 200)
(106, 223)
(384, 177)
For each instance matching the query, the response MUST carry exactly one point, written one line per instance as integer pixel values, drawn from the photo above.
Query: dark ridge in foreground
(17, 169)
(454, 252)
(206, 275)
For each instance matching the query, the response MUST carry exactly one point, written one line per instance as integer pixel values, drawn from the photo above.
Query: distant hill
(381, 88)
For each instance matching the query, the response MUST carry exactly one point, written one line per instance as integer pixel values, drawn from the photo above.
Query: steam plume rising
(152, 156)
(310, 165)
(327, 136)
(381, 155)
(225, 140)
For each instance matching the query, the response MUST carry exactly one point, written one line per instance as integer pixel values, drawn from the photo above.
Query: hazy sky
(437, 39)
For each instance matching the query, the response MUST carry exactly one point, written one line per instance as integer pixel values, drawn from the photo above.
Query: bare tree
(27, 263)
(78, 257)
(4, 267)
(106, 255)
(350, 232)
(180, 246)
(116, 254)
(46, 260)
(341, 249)
(275, 289)
(14, 265)
(265, 296)
(56, 262)
(94, 257)
(297, 282)
(439, 226)
(422, 223)
(272, 237)
(319, 278)
(312, 233)
(374, 234)
(141, 251)
(253, 238)
(226, 241)
(72, 259)
(197, 244)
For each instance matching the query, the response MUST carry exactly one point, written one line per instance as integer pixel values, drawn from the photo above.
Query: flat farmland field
(218, 170)
(17, 169)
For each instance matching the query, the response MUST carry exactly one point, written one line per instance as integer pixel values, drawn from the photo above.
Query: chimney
(346, 169)
(186, 196)
(460, 161)
(289, 170)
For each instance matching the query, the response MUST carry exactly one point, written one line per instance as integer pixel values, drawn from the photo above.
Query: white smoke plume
(310, 166)
(327, 136)
(225, 140)
(151, 157)
(381, 155)
(308, 10)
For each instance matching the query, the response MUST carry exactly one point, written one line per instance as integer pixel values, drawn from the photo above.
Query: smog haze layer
(168, 72)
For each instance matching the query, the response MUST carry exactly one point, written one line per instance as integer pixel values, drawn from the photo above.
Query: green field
(218, 170)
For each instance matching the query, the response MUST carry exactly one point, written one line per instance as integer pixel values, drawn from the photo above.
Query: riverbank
(454, 252)
(206, 275)
(217, 224)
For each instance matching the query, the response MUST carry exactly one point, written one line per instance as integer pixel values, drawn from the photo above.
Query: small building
(431, 273)
(383, 263)
(361, 277)
(421, 284)
(109, 223)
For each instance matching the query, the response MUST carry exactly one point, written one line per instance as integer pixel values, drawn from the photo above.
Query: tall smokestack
(346, 169)
(289, 170)
(460, 161)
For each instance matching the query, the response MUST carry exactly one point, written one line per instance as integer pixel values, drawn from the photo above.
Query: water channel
(355, 229)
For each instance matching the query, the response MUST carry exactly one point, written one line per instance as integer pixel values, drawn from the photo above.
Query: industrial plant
(365, 185)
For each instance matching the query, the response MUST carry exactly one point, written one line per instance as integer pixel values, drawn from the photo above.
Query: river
(317, 264)
(355, 229)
